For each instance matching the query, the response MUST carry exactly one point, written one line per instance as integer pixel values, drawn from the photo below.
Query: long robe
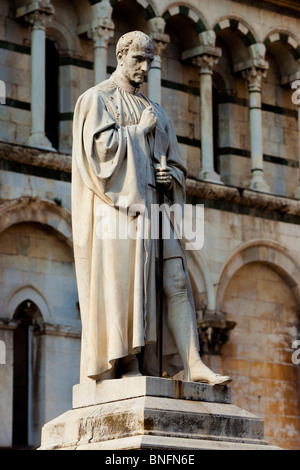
(113, 169)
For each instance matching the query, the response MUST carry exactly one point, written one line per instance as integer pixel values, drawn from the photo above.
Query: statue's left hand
(164, 176)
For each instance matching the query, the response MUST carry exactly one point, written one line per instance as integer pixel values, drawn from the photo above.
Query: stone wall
(248, 268)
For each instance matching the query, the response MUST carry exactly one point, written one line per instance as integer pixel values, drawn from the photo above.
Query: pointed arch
(21, 294)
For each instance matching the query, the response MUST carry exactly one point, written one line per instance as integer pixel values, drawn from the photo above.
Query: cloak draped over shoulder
(113, 170)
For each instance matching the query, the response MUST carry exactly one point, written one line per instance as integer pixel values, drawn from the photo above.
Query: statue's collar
(121, 82)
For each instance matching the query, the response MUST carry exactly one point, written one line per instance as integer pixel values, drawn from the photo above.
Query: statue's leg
(129, 366)
(182, 326)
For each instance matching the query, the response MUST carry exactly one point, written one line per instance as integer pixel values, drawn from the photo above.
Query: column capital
(38, 19)
(156, 28)
(205, 63)
(38, 13)
(204, 56)
(101, 31)
(160, 42)
(254, 76)
(214, 331)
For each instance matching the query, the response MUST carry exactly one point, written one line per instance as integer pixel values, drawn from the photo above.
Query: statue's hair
(134, 37)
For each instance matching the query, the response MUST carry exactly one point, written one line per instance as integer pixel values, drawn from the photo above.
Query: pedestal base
(258, 183)
(40, 141)
(210, 176)
(153, 413)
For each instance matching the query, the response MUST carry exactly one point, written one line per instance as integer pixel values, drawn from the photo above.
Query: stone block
(153, 413)
(93, 393)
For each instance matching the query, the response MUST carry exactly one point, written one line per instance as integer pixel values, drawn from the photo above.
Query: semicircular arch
(275, 255)
(285, 48)
(236, 24)
(37, 210)
(188, 11)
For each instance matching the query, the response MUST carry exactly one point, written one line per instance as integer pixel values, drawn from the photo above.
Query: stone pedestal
(153, 413)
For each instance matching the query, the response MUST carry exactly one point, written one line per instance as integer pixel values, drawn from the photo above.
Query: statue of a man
(119, 139)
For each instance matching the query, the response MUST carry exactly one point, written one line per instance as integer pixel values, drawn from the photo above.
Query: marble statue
(119, 137)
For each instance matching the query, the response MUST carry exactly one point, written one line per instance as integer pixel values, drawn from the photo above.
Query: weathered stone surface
(161, 414)
(93, 393)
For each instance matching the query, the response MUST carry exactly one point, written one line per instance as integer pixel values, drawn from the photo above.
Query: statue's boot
(130, 367)
(182, 326)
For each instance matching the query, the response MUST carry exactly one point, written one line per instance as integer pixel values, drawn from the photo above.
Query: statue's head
(135, 53)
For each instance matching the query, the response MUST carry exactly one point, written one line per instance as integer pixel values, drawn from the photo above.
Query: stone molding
(45, 329)
(201, 189)
(35, 157)
(243, 197)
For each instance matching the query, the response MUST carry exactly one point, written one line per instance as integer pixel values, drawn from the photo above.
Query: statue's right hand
(148, 120)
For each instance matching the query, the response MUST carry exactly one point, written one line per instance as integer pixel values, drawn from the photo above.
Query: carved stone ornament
(254, 76)
(102, 32)
(214, 331)
(205, 63)
(38, 19)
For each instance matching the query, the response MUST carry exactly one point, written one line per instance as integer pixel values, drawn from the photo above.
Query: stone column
(38, 14)
(160, 42)
(101, 32)
(254, 76)
(206, 63)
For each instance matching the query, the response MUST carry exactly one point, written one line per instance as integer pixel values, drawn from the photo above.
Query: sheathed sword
(160, 189)
(160, 312)
(161, 144)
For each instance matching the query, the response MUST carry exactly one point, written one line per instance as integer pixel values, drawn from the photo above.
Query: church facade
(227, 72)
